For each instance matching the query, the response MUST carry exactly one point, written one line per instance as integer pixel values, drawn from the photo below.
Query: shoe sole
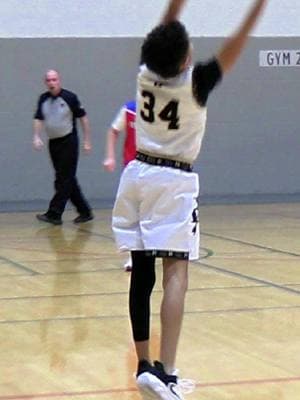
(147, 394)
(49, 222)
(83, 222)
(145, 383)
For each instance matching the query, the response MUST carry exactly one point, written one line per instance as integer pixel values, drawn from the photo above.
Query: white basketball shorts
(156, 210)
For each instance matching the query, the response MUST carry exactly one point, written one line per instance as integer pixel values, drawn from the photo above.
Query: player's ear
(187, 62)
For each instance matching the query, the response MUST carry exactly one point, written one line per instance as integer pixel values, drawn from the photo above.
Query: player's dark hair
(165, 49)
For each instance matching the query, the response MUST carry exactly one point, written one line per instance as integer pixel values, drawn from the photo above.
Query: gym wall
(252, 143)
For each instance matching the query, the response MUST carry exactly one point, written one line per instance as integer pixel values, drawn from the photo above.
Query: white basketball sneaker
(155, 384)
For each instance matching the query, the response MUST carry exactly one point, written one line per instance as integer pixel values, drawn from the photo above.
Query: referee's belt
(163, 162)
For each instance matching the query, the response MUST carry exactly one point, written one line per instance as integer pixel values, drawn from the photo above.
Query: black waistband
(62, 138)
(163, 162)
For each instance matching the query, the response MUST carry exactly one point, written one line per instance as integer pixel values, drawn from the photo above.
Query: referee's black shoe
(50, 219)
(83, 218)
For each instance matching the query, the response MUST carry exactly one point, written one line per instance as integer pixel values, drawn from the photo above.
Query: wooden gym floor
(64, 329)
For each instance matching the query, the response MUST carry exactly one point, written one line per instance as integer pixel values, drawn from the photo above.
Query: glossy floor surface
(64, 329)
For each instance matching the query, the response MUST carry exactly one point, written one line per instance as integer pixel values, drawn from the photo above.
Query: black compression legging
(141, 286)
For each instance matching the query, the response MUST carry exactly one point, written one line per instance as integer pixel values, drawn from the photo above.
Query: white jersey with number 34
(170, 122)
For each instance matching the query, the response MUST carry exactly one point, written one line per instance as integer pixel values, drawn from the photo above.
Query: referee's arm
(37, 142)
(85, 124)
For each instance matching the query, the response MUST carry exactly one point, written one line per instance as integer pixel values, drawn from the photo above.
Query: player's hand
(109, 164)
(87, 147)
(37, 143)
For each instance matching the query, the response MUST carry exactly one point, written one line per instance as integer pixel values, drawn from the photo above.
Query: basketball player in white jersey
(155, 213)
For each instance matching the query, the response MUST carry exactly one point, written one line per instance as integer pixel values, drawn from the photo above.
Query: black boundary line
(91, 271)
(62, 296)
(33, 272)
(250, 278)
(113, 317)
(18, 266)
(208, 254)
(243, 276)
(229, 239)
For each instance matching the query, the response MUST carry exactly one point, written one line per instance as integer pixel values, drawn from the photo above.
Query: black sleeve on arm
(205, 78)
(74, 103)
(38, 113)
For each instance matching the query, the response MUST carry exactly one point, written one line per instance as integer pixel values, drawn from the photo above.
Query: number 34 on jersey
(168, 113)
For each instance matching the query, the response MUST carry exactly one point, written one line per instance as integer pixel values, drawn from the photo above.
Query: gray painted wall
(252, 142)
(101, 18)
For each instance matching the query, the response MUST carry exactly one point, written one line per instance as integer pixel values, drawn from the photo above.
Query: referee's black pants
(64, 153)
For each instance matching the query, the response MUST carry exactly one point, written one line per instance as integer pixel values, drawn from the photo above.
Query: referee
(56, 113)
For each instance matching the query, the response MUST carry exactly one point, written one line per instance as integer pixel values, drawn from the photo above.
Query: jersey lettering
(169, 113)
(195, 220)
(148, 113)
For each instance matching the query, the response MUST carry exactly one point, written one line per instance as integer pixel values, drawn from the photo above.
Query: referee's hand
(37, 143)
(87, 147)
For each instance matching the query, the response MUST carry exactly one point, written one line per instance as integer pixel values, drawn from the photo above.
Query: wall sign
(279, 58)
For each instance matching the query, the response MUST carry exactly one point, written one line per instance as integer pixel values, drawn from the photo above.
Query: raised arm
(233, 47)
(172, 11)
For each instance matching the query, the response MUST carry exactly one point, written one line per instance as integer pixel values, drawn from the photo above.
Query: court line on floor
(125, 292)
(84, 295)
(108, 257)
(249, 278)
(18, 265)
(250, 382)
(122, 316)
(33, 272)
(208, 252)
(94, 271)
(245, 242)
